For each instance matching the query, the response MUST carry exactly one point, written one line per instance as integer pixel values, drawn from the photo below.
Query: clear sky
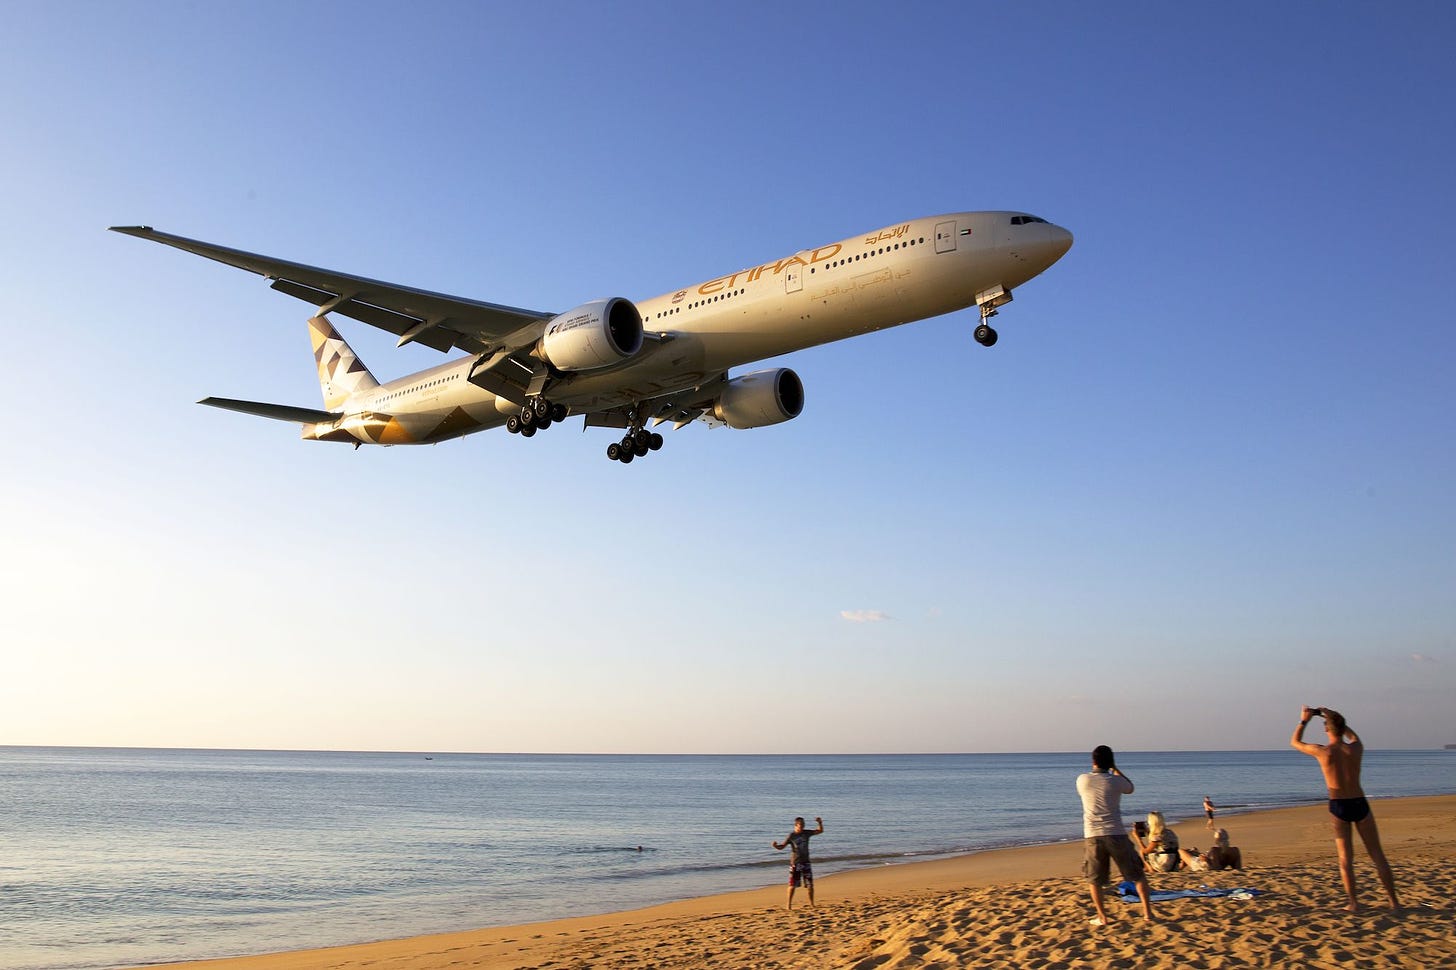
(1207, 474)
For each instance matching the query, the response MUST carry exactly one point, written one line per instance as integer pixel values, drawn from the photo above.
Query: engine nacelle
(760, 399)
(595, 334)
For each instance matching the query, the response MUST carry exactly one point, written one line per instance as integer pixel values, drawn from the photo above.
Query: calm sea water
(115, 857)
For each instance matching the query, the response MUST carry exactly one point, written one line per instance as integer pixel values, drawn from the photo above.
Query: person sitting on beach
(800, 870)
(1194, 860)
(1160, 853)
(1339, 761)
(1223, 855)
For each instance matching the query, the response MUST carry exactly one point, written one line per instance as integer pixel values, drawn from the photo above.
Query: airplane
(621, 364)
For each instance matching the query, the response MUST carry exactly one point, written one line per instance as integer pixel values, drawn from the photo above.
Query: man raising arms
(800, 868)
(1340, 762)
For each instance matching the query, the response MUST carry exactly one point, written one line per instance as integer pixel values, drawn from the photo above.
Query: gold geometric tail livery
(626, 365)
(340, 371)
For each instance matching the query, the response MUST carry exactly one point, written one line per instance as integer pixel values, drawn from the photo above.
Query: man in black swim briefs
(1350, 810)
(1340, 762)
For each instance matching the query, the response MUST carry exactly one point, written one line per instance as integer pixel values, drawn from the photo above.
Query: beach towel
(1128, 892)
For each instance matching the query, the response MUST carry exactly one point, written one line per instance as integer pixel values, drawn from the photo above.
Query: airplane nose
(1059, 239)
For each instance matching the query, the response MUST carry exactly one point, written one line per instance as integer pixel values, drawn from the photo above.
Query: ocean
(125, 857)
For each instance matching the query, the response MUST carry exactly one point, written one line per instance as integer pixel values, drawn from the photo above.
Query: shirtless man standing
(1340, 762)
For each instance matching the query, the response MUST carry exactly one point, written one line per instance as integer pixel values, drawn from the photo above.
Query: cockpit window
(1025, 220)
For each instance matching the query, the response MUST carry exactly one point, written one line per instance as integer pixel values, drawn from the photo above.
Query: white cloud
(864, 616)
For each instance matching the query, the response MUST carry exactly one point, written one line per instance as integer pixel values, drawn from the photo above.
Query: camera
(1315, 710)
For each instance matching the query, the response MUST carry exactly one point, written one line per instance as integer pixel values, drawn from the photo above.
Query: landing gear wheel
(513, 424)
(558, 412)
(543, 423)
(542, 409)
(636, 442)
(528, 417)
(528, 430)
(985, 336)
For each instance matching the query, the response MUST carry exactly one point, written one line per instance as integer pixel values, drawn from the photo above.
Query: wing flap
(278, 412)
(437, 338)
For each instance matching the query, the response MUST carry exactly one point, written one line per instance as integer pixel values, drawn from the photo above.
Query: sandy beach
(1025, 907)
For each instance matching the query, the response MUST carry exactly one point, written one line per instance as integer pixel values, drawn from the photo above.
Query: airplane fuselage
(909, 271)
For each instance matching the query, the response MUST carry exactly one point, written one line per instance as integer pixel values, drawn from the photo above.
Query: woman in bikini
(1340, 762)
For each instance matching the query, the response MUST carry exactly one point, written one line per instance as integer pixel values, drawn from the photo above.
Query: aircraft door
(945, 237)
(793, 279)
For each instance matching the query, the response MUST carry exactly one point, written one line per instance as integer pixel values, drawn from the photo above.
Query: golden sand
(1024, 908)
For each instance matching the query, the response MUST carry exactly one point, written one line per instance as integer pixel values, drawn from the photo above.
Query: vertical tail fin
(341, 373)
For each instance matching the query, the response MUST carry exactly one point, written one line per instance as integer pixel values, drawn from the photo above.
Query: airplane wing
(415, 316)
(279, 412)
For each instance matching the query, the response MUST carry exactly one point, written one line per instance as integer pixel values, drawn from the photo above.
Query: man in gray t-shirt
(1104, 837)
(800, 870)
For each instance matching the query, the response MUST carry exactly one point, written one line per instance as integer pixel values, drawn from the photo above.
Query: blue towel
(1128, 892)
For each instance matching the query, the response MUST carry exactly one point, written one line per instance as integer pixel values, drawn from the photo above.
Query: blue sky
(1205, 476)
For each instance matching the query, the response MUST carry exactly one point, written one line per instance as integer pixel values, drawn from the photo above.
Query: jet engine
(593, 335)
(760, 399)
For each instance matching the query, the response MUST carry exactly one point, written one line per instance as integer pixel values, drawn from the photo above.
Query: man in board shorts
(1340, 762)
(1104, 837)
(800, 870)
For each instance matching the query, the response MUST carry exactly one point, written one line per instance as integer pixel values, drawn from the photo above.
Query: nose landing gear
(987, 301)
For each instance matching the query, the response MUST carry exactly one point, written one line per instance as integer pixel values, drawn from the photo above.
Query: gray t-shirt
(799, 846)
(1102, 793)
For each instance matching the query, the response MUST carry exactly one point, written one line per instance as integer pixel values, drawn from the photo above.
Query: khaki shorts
(1099, 851)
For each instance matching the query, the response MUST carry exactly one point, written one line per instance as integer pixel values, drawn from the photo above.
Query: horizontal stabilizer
(279, 412)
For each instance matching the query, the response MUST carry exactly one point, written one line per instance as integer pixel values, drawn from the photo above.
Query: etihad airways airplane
(622, 364)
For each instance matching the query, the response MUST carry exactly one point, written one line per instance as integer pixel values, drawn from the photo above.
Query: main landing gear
(537, 414)
(636, 443)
